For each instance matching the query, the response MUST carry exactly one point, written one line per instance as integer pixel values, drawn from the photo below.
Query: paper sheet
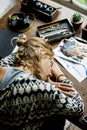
(78, 70)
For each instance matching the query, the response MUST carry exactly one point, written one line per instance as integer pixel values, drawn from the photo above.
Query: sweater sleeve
(38, 99)
(8, 60)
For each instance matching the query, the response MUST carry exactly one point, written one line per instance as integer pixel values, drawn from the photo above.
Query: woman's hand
(65, 88)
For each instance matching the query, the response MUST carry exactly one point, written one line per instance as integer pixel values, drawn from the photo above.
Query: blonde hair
(30, 53)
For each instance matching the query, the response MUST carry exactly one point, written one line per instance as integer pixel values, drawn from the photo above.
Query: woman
(29, 103)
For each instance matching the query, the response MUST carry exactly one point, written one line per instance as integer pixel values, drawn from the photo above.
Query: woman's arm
(40, 99)
(52, 98)
(60, 81)
(56, 72)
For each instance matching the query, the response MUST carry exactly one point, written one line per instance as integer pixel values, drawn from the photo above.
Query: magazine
(73, 57)
(72, 50)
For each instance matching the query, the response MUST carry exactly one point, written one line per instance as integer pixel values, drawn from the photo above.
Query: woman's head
(33, 54)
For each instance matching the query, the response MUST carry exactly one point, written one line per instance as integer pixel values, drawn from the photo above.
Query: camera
(18, 21)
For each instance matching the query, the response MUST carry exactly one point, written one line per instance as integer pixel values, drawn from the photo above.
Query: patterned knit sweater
(26, 101)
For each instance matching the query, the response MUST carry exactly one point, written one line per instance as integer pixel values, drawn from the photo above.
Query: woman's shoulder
(22, 77)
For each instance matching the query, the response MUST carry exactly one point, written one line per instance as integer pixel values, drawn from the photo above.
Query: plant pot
(76, 25)
(84, 32)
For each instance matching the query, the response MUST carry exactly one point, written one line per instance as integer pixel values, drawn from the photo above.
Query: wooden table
(63, 13)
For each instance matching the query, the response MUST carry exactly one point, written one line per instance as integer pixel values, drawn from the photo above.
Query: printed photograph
(72, 50)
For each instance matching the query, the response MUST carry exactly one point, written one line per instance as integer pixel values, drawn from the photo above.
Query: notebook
(6, 47)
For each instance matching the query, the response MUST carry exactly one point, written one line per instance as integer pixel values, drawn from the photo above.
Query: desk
(63, 13)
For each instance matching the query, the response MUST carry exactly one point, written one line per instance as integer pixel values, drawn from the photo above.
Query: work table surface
(63, 13)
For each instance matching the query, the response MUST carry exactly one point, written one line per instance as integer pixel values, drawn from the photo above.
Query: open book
(72, 54)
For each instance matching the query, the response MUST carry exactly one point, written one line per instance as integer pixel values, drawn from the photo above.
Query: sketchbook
(6, 47)
(72, 55)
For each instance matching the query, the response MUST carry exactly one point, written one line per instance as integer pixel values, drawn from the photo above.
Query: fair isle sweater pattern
(27, 101)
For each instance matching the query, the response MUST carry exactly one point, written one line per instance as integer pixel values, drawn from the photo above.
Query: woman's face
(46, 64)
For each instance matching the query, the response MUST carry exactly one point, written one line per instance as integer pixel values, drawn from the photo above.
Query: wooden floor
(7, 5)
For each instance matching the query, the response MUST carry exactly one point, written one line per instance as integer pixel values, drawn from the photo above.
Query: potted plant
(77, 20)
(84, 32)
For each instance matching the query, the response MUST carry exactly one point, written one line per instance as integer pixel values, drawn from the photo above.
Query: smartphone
(85, 119)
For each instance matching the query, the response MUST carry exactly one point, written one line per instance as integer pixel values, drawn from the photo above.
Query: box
(55, 30)
(43, 10)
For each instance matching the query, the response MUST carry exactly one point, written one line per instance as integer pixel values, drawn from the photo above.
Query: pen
(55, 32)
(49, 26)
(80, 40)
